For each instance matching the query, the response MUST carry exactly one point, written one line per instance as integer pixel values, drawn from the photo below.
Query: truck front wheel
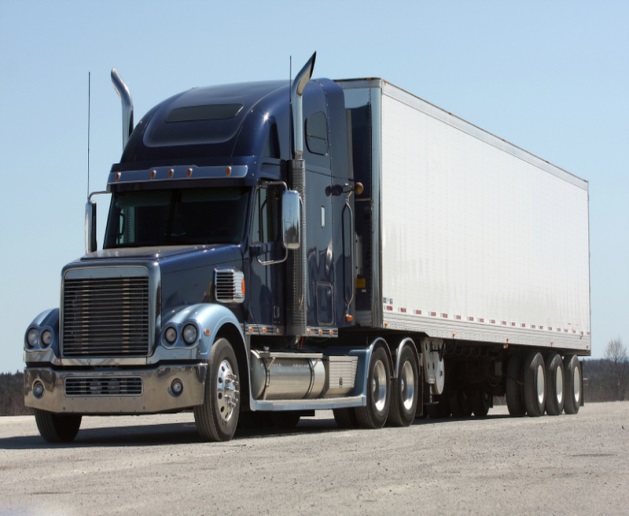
(217, 417)
(57, 428)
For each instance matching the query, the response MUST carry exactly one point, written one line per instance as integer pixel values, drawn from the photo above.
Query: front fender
(48, 320)
(207, 318)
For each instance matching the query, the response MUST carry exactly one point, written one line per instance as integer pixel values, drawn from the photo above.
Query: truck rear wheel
(217, 417)
(515, 396)
(534, 384)
(554, 384)
(375, 414)
(573, 384)
(405, 393)
(57, 428)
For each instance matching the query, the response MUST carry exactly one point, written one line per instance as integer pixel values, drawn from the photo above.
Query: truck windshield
(177, 217)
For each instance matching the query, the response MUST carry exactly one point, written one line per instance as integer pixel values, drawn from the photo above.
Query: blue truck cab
(226, 272)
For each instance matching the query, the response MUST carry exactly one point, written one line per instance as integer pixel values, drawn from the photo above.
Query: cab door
(267, 258)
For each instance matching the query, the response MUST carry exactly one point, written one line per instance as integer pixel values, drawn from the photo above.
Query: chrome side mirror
(291, 219)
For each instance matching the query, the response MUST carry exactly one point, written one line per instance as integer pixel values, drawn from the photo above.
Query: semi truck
(277, 248)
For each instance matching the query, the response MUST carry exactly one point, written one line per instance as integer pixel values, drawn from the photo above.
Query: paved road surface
(156, 465)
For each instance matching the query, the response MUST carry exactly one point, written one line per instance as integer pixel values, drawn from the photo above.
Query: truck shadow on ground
(185, 433)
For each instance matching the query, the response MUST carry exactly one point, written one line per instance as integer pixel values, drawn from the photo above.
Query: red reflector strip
(403, 310)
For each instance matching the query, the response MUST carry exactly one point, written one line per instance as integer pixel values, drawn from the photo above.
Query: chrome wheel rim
(227, 393)
(379, 386)
(559, 385)
(407, 385)
(577, 385)
(540, 384)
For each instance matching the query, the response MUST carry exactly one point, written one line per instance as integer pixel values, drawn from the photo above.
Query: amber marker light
(118, 176)
(228, 171)
(349, 317)
(189, 172)
(153, 174)
(171, 172)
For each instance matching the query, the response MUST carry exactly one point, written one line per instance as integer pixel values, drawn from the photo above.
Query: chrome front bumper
(115, 391)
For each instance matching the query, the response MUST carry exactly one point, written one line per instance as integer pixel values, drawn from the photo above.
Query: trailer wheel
(515, 396)
(217, 417)
(57, 428)
(554, 384)
(574, 390)
(534, 384)
(404, 397)
(375, 413)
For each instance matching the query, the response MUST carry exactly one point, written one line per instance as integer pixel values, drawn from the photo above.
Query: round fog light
(38, 390)
(176, 387)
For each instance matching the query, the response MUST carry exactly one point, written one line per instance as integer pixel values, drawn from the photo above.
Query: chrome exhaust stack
(296, 316)
(127, 106)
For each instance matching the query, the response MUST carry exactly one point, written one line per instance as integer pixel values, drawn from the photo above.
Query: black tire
(405, 395)
(534, 384)
(574, 384)
(217, 417)
(375, 413)
(481, 403)
(555, 384)
(515, 396)
(57, 428)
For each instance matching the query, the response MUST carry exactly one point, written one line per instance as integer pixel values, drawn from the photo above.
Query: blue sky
(551, 77)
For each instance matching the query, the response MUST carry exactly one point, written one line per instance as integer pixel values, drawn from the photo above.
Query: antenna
(89, 109)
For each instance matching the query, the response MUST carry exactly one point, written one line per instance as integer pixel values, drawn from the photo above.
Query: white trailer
(474, 240)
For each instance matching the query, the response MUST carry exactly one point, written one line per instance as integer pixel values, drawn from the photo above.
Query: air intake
(229, 286)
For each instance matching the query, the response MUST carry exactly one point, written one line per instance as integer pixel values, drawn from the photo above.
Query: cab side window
(266, 216)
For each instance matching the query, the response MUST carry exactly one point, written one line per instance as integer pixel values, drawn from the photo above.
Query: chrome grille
(103, 386)
(105, 317)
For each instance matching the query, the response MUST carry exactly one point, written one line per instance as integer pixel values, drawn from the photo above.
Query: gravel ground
(157, 465)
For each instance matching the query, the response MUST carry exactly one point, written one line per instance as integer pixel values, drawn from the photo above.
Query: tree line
(605, 379)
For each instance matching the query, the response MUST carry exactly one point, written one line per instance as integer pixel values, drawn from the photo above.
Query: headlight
(32, 337)
(46, 338)
(170, 335)
(190, 334)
